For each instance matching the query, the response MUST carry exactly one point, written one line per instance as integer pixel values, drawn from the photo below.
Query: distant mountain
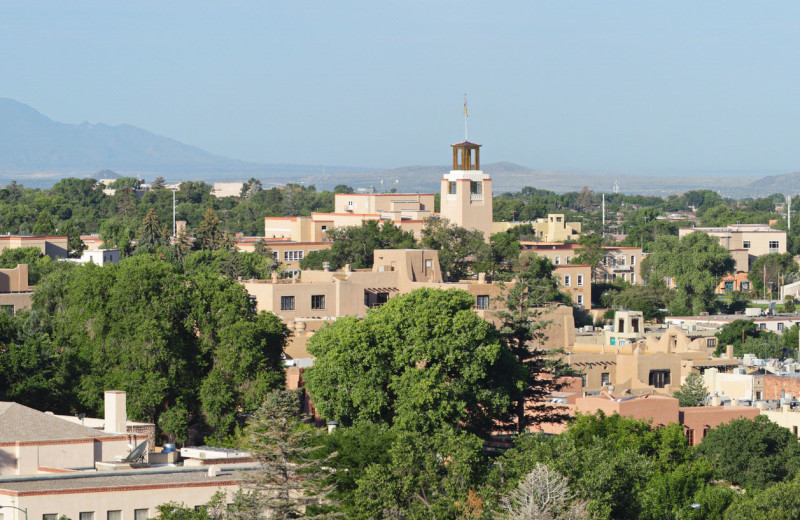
(34, 146)
(788, 183)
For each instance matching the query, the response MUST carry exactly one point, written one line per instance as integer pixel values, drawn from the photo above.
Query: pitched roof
(19, 423)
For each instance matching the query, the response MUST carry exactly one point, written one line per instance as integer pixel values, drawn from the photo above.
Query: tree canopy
(422, 361)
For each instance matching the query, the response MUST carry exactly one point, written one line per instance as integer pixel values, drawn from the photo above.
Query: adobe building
(53, 246)
(307, 302)
(746, 242)
(619, 262)
(466, 194)
(657, 409)
(465, 198)
(15, 293)
(552, 228)
(576, 280)
(631, 359)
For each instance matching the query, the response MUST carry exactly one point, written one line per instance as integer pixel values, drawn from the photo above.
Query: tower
(466, 196)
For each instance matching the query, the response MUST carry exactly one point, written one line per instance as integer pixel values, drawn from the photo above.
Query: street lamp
(18, 509)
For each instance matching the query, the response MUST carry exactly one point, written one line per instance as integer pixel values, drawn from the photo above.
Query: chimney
(116, 415)
(729, 352)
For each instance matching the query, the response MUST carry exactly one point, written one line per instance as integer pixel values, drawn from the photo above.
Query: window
(794, 430)
(482, 301)
(324, 230)
(746, 244)
(381, 298)
(287, 303)
(318, 301)
(451, 188)
(141, 514)
(780, 326)
(567, 280)
(583, 380)
(690, 437)
(580, 300)
(633, 277)
(87, 516)
(745, 285)
(475, 187)
(558, 219)
(624, 276)
(350, 204)
(558, 260)
(605, 378)
(762, 326)
(621, 260)
(366, 298)
(711, 343)
(568, 258)
(633, 259)
(580, 280)
(114, 515)
(293, 256)
(50, 516)
(773, 246)
(659, 378)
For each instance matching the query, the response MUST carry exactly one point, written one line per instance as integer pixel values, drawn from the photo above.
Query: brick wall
(774, 385)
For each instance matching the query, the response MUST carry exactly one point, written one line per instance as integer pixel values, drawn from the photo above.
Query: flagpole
(466, 137)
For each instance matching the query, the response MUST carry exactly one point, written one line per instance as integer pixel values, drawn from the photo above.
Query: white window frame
(580, 280)
(567, 280)
(293, 255)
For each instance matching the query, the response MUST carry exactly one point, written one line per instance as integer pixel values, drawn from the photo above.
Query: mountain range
(37, 151)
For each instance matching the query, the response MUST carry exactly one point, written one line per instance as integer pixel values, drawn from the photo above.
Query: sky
(623, 87)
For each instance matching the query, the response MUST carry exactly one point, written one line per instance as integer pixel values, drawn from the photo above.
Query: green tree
(422, 361)
(151, 235)
(461, 251)
(250, 188)
(649, 299)
(772, 269)
(504, 250)
(778, 502)
(590, 253)
(522, 327)
(158, 183)
(693, 391)
(735, 333)
(44, 226)
(751, 453)
(289, 476)
(74, 243)
(766, 346)
(355, 245)
(209, 233)
(695, 263)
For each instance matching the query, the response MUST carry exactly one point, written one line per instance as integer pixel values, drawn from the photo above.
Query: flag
(465, 104)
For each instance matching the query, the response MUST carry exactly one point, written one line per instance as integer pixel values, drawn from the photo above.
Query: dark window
(659, 378)
(318, 301)
(483, 301)
(381, 298)
(366, 298)
(451, 187)
(475, 188)
(690, 437)
(605, 378)
(287, 303)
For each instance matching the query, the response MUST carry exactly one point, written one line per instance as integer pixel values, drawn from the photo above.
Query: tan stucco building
(746, 242)
(315, 297)
(15, 293)
(52, 246)
(619, 262)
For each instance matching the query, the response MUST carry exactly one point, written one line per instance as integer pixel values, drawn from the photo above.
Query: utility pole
(789, 213)
(173, 214)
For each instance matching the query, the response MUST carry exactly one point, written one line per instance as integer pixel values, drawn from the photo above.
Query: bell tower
(466, 196)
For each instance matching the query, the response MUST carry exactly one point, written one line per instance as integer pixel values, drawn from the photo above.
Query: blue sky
(637, 87)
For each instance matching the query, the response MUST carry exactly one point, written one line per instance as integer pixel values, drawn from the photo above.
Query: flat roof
(114, 481)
